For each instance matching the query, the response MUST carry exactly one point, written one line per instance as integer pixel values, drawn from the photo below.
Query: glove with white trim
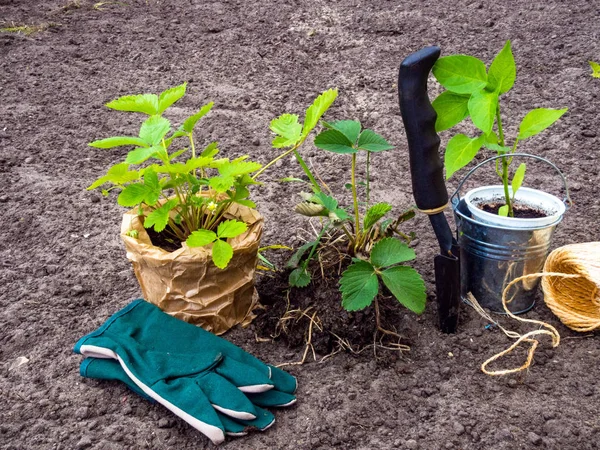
(195, 374)
(110, 369)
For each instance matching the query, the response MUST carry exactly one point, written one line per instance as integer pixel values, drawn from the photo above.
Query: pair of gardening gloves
(213, 385)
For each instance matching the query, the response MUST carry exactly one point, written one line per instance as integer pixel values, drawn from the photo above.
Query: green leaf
(141, 154)
(210, 151)
(330, 204)
(174, 155)
(503, 71)
(374, 213)
(538, 120)
(407, 286)
(349, 128)
(154, 129)
(451, 109)
(373, 142)
(177, 134)
(173, 169)
(118, 141)
(246, 180)
(498, 148)
(491, 138)
(299, 277)
(97, 183)
(190, 122)
(338, 214)
(153, 187)
(222, 253)
(327, 201)
(383, 226)
(231, 229)
(517, 180)
(117, 174)
(334, 141)
(170, 96)
(390, 251)
(491, 142)
(144, 103)
(460, 151)
(248, 203)
(268, 264)
(198, 162)
(200, 238)
(482, 108)
(460, 73)
(159, 218)
(294, 261)
(359, 285)
(503, 211)
(406, 215)
(221, 184)
(317, 109)
(288, 130)
(132, 195)
(151, 179)
(238, 168)
(595, 69)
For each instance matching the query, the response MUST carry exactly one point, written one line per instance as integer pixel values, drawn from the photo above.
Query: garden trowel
(427, 175)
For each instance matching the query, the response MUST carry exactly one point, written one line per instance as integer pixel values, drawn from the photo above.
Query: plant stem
(315, 245)
(307, 171)
(505, 164)
(505, 183)
(193, 147)
(368, 181)
(355, 200)
(348, 234)
(283, 155)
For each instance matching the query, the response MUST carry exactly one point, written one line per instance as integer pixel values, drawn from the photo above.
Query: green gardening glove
(185, 368)
(110, 369)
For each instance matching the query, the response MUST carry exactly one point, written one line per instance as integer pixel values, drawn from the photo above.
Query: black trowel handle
(427, 172)
(419, 121)
(426, 167)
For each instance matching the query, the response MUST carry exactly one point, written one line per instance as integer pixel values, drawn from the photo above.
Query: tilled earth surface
(63, 269)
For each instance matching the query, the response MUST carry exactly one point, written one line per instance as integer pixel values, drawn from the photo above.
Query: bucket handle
(567, 200)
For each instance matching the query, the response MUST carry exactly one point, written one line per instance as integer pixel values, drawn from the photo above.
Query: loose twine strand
(576, 303)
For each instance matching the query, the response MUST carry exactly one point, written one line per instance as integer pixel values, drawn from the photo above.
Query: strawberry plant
(360, 282)
(367, 234)
(474, 91)
(185, 192)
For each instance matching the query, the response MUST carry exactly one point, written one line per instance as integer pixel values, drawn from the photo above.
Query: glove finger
(244, 377)
(186, 400)
(109, 369)
(235, 427)
(272, 399)
(283, 381)
(225, 397)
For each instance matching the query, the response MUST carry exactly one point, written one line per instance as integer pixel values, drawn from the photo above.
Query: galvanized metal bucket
(492, 256)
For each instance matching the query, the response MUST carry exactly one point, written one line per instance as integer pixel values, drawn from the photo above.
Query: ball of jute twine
(570, 281)
(574, 300)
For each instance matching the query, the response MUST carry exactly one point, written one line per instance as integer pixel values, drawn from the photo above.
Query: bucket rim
(462, 215)
(551, 205)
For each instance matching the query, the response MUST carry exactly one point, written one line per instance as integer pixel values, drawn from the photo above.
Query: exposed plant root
(392, 346)
(297, 314)
(344, 345)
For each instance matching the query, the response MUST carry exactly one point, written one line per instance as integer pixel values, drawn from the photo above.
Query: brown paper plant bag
(186, 284)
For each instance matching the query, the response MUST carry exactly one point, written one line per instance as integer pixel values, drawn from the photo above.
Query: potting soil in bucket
(491, 256)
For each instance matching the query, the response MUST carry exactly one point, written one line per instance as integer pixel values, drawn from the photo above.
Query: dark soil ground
(63, 268)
